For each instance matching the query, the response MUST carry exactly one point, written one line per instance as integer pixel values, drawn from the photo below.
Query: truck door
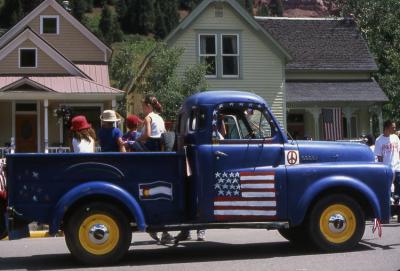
(249, 171)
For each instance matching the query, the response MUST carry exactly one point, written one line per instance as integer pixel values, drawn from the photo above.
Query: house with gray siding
(301, 66)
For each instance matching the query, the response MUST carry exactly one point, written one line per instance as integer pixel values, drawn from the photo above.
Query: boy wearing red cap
(83, 136)
(132, 123)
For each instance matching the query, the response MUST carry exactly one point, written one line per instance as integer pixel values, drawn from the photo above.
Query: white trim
(237, 55)
(39, 134)
(13, 120)
(299, 18)
(50, 17)
(39, 9)
(19, 58)
(46, 125)
(215, 55)
(28, 34)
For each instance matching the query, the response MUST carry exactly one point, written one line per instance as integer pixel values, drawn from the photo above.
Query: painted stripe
(247, 208)
(257, 181)
(245, 212)
(164, 190)
(256, 173)
(245, 203)
(258, 194)
(257, 190)
(259, 177)
(258, 185)
(243, 199)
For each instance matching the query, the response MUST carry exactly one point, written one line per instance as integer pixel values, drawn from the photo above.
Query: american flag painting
(332, 121)
(244, 196)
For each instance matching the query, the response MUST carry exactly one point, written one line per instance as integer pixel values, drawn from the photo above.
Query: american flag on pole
(244, 196)
(3, 191)
(332, 121)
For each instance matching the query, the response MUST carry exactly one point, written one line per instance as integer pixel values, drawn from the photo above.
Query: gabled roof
(58, 84)
(321, 43)
(28, 34)
(97, 72)
(242, 12)
(34, 13)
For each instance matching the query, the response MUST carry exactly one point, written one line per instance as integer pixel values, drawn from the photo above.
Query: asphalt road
(224, 250)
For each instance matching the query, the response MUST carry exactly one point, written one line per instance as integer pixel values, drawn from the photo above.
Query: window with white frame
(27, 58)
(208, 53)
(230, 55)
(49, 24)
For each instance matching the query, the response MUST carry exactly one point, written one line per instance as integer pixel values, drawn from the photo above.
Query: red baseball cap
(79, 123)
(133, 120)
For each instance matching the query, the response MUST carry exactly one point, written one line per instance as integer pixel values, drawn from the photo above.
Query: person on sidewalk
(387, 147)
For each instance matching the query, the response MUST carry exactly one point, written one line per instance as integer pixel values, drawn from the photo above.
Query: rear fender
(97, 188)
(330, 183)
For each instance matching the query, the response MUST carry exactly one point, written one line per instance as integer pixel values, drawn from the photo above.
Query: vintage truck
(250, 176)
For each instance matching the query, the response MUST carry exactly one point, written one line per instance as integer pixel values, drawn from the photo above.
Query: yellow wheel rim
(338, 223)
(99, 234)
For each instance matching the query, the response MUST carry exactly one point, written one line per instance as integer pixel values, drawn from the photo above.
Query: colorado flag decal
(155, 191)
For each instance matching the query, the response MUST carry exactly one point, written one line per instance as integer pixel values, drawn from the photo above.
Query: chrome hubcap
(99, 234)
(337, 223)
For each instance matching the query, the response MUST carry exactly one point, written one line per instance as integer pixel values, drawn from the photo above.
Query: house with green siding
(305, 68)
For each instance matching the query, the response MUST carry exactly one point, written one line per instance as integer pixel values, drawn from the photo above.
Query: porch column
(315, 111)
(113, 104)
(380, 120)
(46, 125)
(348, 112)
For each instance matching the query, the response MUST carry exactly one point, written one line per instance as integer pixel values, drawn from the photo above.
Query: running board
(223, 225)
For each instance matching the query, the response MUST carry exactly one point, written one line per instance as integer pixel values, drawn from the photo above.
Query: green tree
(276, 8)
(79, 9)
(106, 24)
(167, 17)
(379, 22)
(263, 10)
(11, 13)
(157, 64)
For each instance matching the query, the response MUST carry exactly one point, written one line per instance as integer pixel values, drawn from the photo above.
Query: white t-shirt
(83, 146)
(388, 148)
(157, 125)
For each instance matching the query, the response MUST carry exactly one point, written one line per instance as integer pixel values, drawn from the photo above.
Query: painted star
(224, 175)
(229, 193)
(217, 186)
(237, 174)
(35, 175)
(236, 193)
(228, 180)
(217, 175)
(220, 180)
(231, 174)
(225, 186)
(231, 104)
(220, 193)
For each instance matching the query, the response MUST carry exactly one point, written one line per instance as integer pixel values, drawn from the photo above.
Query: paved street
(224, 250)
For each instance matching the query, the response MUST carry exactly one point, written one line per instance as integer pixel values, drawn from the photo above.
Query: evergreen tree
(105, 24)
(249, 6)
(263, 10)
(160, 27)
(276, 8)
(121, 9)
(146, 18)
(78, 9)
(11, 13)
(29, 5)
(167, 17)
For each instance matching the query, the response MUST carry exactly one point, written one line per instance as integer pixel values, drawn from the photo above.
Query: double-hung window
(208, 54)
(220, 53)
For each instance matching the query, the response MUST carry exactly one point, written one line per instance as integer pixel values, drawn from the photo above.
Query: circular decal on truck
(292, 157)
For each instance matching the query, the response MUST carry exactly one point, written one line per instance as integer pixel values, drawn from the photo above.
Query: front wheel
(336, 223)
(296, 235)
(3, 227)
(98, 234)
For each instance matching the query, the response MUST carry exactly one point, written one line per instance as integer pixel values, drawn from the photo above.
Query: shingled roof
(320, 44)
(353, 91)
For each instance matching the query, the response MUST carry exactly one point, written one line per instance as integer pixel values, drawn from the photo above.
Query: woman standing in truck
(83, 136)
(153, 125)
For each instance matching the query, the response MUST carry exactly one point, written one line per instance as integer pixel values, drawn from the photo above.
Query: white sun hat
(109, 116)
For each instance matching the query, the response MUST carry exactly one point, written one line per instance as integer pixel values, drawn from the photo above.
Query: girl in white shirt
(153, 125)
(83, 136)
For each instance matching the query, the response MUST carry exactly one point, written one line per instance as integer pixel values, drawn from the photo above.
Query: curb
(41, 234)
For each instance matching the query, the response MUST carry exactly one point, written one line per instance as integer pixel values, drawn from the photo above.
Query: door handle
(220, 153)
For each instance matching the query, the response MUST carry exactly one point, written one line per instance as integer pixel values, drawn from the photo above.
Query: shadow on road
(184, 253)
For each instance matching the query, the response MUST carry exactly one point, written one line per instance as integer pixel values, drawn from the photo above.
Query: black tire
(296, 235)
(336, 223)
(98, 234)
(3, 226)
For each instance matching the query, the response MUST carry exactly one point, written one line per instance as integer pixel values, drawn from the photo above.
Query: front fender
(96, 188)
(333, 182)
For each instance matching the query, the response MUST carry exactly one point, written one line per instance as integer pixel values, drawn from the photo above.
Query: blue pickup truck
(250, 175)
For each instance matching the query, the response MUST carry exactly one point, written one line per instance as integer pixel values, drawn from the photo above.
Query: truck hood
(325, 151)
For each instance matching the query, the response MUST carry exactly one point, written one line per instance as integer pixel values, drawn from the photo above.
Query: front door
(248, 168)
(26, 132)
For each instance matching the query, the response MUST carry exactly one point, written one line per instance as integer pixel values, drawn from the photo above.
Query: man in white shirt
(387, 151)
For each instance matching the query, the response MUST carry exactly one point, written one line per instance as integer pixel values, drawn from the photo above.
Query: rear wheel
(98, 234)
(3, 226)
(337, 223)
